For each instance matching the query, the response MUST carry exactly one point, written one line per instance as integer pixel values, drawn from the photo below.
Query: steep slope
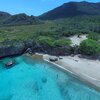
(72, 9)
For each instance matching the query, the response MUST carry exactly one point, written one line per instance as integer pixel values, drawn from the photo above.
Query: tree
(94, 36)
(45, 40)
(62, 42)
(90, 47)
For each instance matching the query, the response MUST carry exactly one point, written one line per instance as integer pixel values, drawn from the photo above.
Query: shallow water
(37, 80)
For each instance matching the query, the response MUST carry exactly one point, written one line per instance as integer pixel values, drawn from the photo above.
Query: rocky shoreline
(33, 47)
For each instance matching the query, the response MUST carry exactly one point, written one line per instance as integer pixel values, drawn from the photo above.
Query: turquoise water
(37, 80)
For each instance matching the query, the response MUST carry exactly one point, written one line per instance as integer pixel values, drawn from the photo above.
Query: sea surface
(32, 79)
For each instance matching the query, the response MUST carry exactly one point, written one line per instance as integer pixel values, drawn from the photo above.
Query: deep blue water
(37, 80)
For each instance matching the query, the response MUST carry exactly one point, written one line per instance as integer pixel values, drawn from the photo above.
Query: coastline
(83, 74)
(90, 74)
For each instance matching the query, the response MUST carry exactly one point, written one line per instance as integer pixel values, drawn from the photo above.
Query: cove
(33, 79)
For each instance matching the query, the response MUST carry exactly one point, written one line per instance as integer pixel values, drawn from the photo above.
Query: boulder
(53, 59)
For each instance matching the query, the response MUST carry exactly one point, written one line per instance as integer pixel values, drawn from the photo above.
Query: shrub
(94, 36)
(62, 42)
(90, 47)
(45, 40)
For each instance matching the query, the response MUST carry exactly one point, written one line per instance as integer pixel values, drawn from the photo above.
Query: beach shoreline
(84, 69)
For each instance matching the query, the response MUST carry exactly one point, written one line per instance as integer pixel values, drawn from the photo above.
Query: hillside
(4, 16)
(72, 9)
(20, 32)
(19, 19)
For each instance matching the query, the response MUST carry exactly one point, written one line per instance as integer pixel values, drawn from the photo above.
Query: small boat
(9, 63)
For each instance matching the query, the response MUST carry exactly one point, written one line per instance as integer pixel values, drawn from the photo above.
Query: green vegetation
(55, 29)
(19, 19)
(63, 42)
(48, 41)
(55, 33)
(90, 47)
(94, 36)
(25, 32)
(52, 35)
(45, 41)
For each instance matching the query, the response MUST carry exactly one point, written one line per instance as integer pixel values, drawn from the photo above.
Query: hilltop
(72, 9)
(7, 19)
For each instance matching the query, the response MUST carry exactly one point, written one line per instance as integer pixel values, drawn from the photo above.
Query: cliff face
(20, 48)
(11, 50)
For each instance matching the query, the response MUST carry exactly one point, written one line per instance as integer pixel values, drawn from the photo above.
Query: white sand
(89, 70)
(76, 40)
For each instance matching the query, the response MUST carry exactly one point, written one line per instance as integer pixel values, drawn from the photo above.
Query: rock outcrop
(20, 48)
(11, 50)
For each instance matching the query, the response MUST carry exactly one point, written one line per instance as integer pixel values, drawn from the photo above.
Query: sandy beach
(85, 69)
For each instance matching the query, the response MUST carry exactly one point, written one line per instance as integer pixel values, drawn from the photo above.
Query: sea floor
(37, 80)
